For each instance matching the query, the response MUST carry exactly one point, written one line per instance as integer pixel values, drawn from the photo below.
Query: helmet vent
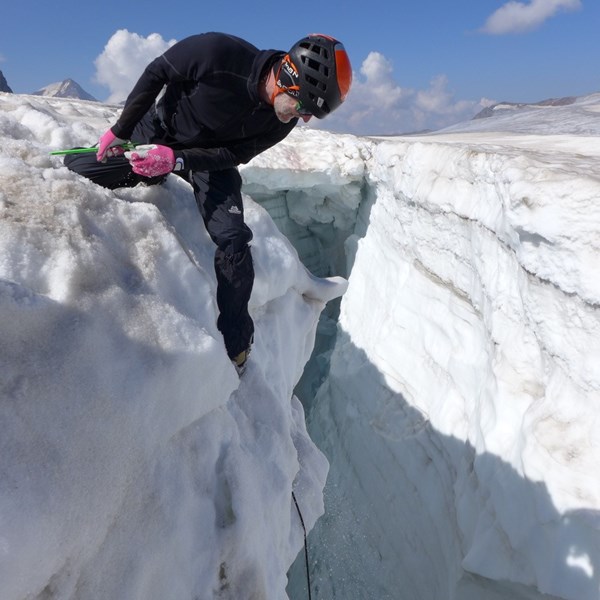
(319, 85)
(313, 64)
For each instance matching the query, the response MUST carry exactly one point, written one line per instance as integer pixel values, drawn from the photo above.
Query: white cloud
(518, 17)
(379, 84)
(123, 60)
(377, 104)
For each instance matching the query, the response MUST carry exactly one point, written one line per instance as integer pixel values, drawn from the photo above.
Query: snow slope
(133, 462)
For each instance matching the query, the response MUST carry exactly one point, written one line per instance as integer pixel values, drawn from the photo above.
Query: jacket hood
(264, 60)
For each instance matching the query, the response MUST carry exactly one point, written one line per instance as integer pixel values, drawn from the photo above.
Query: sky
(417, 65)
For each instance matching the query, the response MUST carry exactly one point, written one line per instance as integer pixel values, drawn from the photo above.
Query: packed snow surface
(462, 410)
(459, 415)
(133, 461)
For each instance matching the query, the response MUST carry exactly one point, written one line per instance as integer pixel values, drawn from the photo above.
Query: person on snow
(209, 103)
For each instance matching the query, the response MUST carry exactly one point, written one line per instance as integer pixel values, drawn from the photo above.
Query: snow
(133, 461)
(459, 387)
(465, 382)
(577, 119)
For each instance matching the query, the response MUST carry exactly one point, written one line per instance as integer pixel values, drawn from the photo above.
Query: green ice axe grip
(127, 146)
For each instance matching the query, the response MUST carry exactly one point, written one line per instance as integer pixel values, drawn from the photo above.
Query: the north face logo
(234, 210)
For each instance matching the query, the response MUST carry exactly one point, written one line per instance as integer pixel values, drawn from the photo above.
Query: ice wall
(313, 185)
(460, 415)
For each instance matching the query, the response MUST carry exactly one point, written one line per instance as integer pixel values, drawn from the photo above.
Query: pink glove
(151, 160)
(109, 145)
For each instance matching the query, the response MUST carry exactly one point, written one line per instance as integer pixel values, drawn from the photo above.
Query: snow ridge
(133, 461)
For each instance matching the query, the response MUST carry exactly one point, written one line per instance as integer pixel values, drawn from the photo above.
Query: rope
(305, 546)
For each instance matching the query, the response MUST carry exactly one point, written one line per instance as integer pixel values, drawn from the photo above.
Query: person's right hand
(109, 145)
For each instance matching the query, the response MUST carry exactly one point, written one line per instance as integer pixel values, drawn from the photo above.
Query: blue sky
(418, 64)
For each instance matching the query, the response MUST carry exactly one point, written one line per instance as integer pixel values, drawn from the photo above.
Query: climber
(209, 103)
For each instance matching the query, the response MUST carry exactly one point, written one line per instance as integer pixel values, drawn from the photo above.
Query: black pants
(219, 199)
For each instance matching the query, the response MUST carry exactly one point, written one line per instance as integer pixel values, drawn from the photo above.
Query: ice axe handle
(127, 146)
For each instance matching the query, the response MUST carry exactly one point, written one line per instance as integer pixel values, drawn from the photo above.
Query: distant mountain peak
(504, 106)
(4, 84)
(65, 89)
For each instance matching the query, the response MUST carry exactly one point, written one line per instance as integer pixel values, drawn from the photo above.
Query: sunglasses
(301, 110)
(287, 78)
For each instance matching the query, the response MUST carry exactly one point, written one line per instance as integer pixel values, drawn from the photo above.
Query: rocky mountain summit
(4, 87)
(494, 109)
(65, 89)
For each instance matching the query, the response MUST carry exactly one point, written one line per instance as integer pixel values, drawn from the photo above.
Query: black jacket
(211, 110)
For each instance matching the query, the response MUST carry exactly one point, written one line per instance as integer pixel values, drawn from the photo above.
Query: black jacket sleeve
(213, 159)
(172, 66)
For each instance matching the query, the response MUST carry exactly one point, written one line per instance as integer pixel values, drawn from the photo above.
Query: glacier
(133, 461)
(451, 398)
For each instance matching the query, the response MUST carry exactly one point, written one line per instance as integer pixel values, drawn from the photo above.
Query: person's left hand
(151, 160)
